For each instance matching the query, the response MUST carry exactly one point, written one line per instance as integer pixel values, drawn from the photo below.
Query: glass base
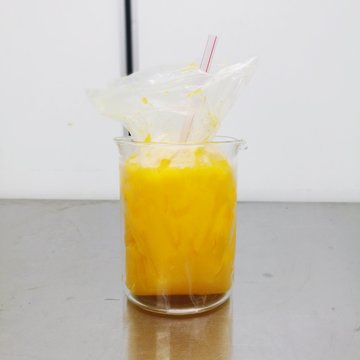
(178, 304)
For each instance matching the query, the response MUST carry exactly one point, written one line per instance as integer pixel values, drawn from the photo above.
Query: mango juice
(180, 220)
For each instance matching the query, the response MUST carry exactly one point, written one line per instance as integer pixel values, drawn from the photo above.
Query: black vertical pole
(128, 38)
(128, 41)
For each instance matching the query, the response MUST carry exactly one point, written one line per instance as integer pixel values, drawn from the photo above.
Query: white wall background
(300, 115)
(52, 142)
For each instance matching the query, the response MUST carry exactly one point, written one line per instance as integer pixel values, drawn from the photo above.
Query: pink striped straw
(204, 66)
(208, 53)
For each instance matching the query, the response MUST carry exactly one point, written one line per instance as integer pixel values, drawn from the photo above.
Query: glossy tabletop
(296, 293)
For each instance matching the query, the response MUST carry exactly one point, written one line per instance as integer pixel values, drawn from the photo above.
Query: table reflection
(150, 336)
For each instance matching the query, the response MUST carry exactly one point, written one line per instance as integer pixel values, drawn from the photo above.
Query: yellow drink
(179, 223)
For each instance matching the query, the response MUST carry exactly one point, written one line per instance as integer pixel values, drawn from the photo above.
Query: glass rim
(219, 139)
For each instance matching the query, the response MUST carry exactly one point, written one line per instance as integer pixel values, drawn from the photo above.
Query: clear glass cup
(179, 223)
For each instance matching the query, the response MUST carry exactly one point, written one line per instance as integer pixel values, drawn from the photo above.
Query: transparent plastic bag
(172, 104)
